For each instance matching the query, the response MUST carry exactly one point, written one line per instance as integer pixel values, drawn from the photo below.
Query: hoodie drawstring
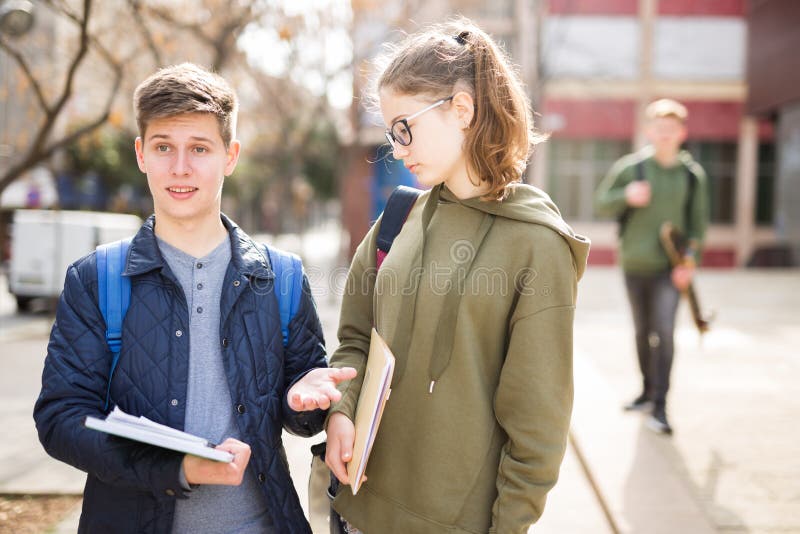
(446, 330)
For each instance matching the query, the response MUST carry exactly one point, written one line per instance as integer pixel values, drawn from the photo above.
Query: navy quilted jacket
(132, 487)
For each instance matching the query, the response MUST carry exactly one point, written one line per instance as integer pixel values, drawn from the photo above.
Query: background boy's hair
(666, 107)
(186, 88)
(458, 56)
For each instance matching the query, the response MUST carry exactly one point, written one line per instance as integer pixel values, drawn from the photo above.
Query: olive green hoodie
(476, 300)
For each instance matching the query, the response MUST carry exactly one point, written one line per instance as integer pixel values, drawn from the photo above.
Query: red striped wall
(732, 8)
(591, 119)
(718, 8)
(593, 7)
(714, 121)
(615, 119)
(712, 257)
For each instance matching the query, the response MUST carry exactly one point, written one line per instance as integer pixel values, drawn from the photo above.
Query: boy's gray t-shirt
(209, 408)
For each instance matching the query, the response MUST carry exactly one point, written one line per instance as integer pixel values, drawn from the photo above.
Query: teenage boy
(657, 184)
(202, 348)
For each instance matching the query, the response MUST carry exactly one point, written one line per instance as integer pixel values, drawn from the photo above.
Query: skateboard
(674, 245)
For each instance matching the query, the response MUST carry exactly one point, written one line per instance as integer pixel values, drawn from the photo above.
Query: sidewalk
(731, 465)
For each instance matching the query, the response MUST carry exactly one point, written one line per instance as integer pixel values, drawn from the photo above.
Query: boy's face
(186, 162)
(666, 134)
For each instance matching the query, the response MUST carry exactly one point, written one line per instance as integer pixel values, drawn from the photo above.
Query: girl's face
(435, 154)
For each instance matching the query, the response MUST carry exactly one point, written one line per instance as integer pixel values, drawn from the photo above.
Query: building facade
(773, 78)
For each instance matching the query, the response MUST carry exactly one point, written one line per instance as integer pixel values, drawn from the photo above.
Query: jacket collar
(246, 256)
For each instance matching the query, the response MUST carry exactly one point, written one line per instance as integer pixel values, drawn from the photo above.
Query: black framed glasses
(400, 132)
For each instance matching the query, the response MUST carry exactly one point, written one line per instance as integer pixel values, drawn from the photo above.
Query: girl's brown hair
(457, 55)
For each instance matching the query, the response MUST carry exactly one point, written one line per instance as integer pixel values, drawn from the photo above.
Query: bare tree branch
(221, 40)
(66, 92)
(136, 9)
(23, 65)
(39, 149)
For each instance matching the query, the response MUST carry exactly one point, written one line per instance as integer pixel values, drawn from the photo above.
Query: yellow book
(374, 393)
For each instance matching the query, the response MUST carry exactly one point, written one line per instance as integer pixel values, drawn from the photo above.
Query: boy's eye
(200, 149)
(162, 148)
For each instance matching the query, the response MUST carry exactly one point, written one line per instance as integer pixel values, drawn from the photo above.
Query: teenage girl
(476, 300)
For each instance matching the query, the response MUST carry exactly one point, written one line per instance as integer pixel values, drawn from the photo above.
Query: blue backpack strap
(398, 206)
(288, 286)
(114, 296)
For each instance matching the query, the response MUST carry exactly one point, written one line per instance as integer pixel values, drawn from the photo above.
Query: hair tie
(461, 38)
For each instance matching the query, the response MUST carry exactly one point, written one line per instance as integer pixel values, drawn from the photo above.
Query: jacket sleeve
(304, 351)
(74, 383)
(533, 402)
(355, 322)
(609, 200)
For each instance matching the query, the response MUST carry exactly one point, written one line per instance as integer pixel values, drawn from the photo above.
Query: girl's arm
(533, 403)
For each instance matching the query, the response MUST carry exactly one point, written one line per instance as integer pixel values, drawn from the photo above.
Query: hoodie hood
(529, 204)
(522, 203)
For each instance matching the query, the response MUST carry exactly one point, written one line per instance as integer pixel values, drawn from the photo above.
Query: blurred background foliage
(65, 97)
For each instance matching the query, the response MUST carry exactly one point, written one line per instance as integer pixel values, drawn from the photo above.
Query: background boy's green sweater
(640, 249)
(481, 451)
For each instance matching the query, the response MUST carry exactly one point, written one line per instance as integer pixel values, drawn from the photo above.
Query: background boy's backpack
(114, 292)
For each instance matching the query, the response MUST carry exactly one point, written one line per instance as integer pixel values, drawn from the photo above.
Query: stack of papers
(144, 430)
(375, 391)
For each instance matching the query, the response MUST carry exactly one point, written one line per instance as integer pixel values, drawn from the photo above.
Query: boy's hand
(682, 276)
(317, 389)
(341, 433)
(202, 471)
(637, 194)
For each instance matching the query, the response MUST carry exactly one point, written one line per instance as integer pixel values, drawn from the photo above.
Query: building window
(576, 167)
(496, 9)
(765, 187)
(718, 159)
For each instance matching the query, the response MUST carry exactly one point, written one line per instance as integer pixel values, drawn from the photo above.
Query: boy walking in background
(660, 183)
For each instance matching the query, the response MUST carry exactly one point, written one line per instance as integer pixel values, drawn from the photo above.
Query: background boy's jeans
(654, 302)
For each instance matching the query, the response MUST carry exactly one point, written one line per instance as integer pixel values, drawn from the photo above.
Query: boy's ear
(464, 106)
(684, 133)
(233, 156)
(137, 146)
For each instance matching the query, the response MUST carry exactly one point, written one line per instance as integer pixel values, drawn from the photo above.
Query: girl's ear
(464, 106)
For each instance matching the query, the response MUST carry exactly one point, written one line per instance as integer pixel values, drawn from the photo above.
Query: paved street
(730, 467)
(732, 462)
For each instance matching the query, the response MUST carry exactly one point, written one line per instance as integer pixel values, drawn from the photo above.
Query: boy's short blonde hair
(666, 107)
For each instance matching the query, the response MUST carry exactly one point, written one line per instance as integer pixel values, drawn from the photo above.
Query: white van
(44, 243)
